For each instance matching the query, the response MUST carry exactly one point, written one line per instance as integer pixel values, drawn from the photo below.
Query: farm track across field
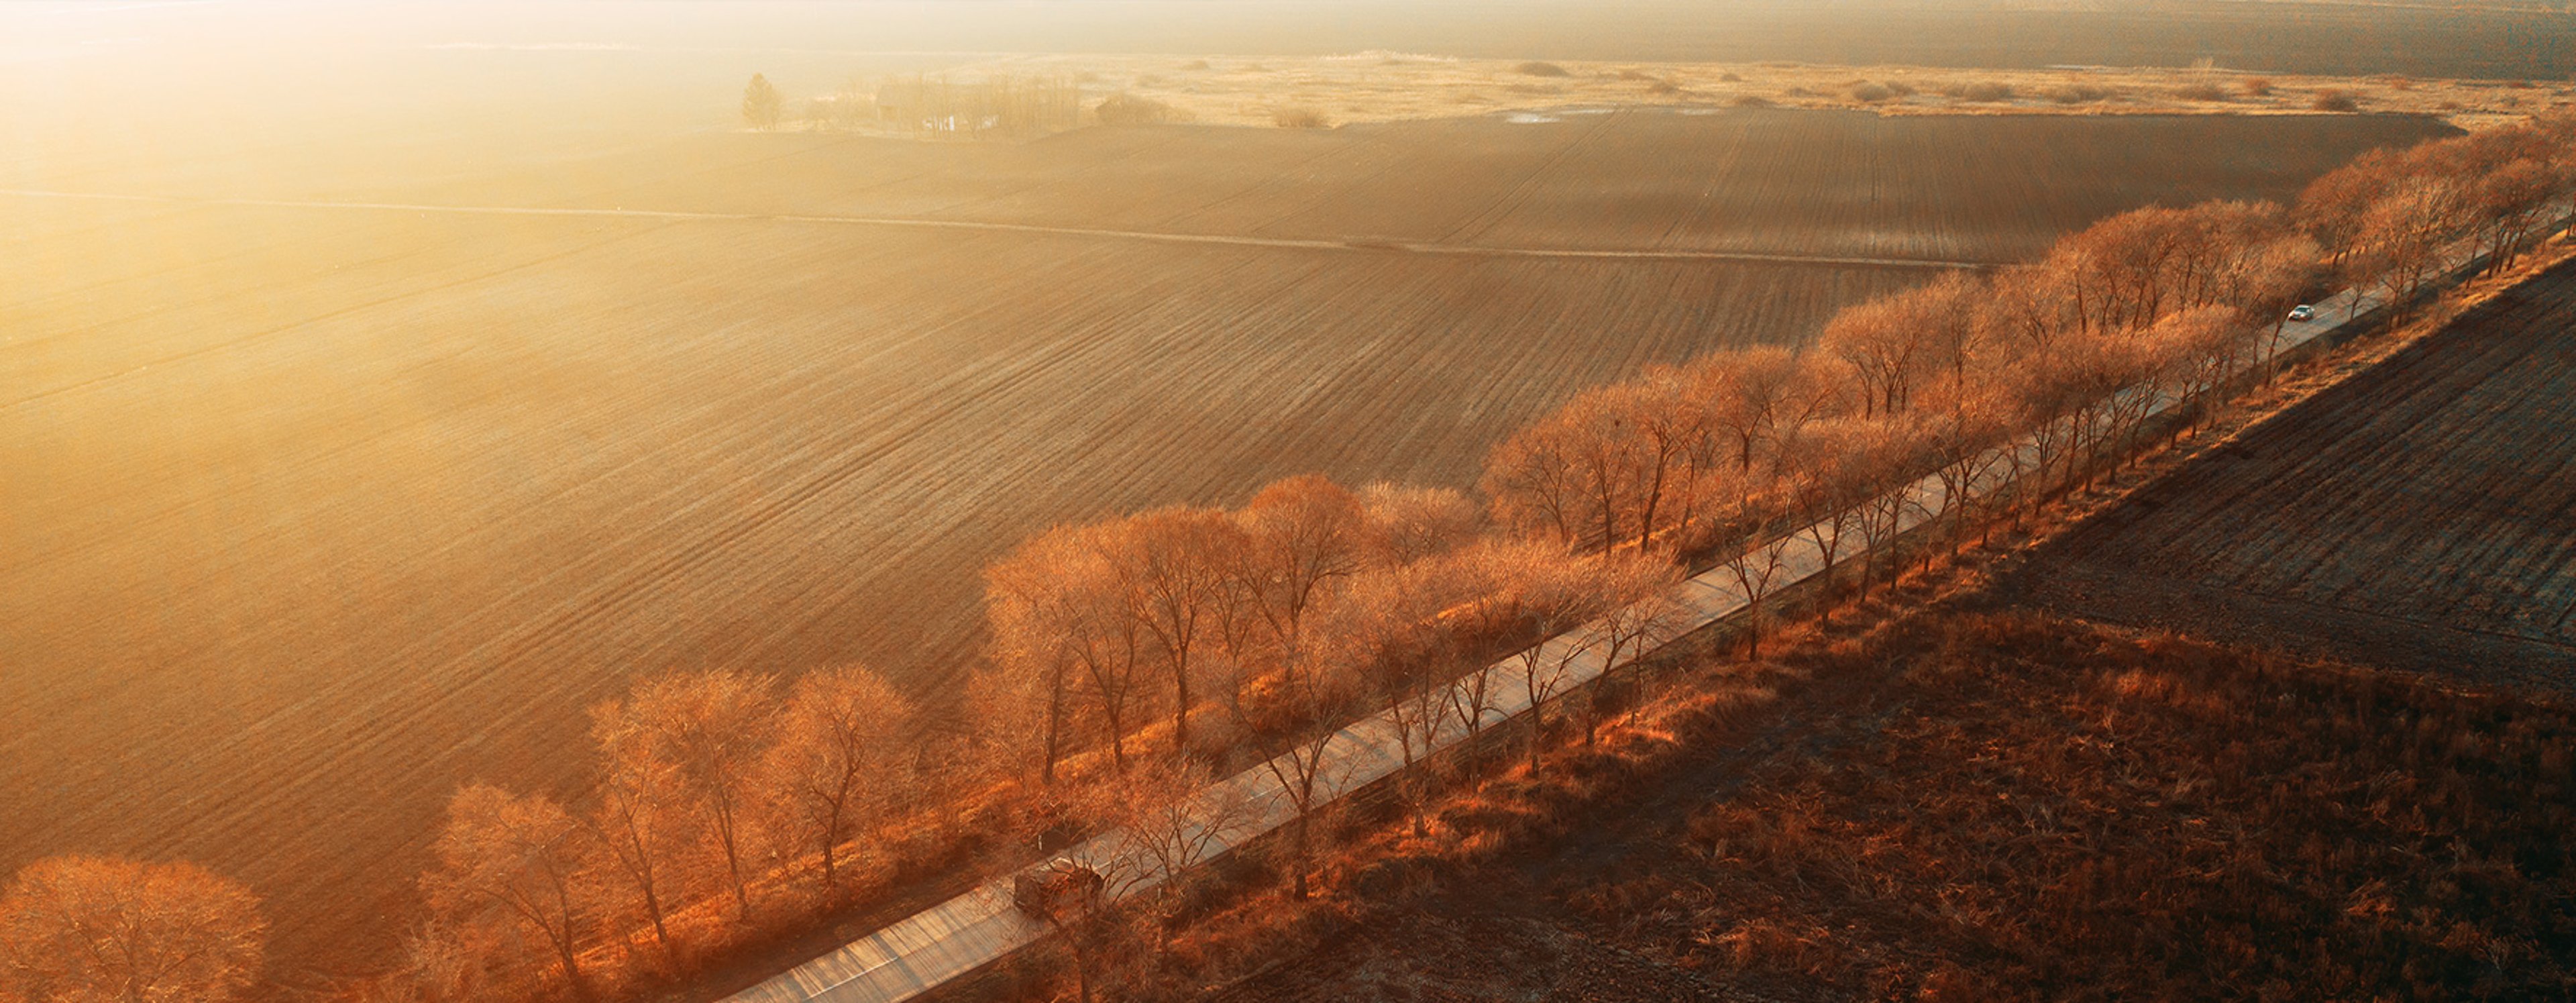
(2420, 514)
(1219, 240)
(309, 514)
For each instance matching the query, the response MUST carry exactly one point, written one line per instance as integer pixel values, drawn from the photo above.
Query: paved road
(1151, 236)
(981, 926)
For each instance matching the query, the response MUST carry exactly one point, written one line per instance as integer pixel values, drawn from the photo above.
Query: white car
(2303, 312)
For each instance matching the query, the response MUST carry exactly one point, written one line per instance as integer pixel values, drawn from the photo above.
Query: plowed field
(2421, 514)
(309, 513)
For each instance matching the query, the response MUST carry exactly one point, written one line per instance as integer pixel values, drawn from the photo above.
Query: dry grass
(1299, 117)
(1380, 86)
(2084, 814)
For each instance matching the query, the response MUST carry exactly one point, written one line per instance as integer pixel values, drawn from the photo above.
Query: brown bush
(1539, 69)
(1871, 93)
(1128, 109)
(2335, 101)
(1298, 117)
(2257, 86)
(1984, 92)
(2201, 92)
(2081, 94)
(1750, 101)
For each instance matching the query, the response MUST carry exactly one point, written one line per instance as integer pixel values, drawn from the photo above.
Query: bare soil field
(311, 512)
(1978, 189)
(2420, 515)
(1977, 803)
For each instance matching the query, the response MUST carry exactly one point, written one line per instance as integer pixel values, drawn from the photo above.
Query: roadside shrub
(1539, 69)
(2257, 86)
(1871, 93)
(1297, 117)
(1128, 109)
(2080, 94)
(2201, 92)
(1730, 78)
(1900, 88)
(2335, 101)
(1663, 87)
(1751, 101)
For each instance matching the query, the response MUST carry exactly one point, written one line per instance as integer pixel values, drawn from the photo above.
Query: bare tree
(1388, 634)
(1172, 573)
(1162, 820)
(1760, 397)
(1638, 613)
(1894, 448)
(1887, 343)
(708, 732)
(760, 103)
(2206, 347)
(839, 760)
(439, 962)
(1551, 593)
(1668, 437)
(86, 928)
(637, 820)
(1103, 631)
(1033, 616)
(1756, 549)
(1414, 524)
(1300, 712)
(520, 861)
(1573, 473)
(1967, 429)
(1833, 479)
(1307, 536)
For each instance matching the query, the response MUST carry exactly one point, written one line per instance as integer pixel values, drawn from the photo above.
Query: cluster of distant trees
(1134, 658)
(1000, 104)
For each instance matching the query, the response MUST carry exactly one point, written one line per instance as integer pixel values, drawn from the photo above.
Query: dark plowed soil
(2420, 515)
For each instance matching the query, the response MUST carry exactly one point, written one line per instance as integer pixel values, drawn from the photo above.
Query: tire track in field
(1150, 236)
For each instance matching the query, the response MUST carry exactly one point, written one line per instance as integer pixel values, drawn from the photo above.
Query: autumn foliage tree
(79, 929)
(837, 763)
(518, 866)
